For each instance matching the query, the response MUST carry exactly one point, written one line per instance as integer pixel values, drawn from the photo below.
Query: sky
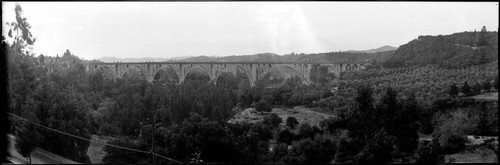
(178, 29)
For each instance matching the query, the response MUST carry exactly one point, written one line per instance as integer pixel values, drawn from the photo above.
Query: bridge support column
(182, 70)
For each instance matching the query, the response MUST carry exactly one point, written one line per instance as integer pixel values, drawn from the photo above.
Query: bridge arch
(214, 71)
(130, 67)
(165, 68)
(295, 73)
(245, 72)
(105, 69)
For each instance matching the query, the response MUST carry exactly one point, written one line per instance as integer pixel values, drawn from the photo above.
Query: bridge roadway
(252, 69)
(230, 62)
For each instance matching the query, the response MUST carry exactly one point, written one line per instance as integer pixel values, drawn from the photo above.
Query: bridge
(253, 70)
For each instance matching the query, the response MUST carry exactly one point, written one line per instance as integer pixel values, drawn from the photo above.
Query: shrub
(305, 130)
(486, 86)
(454, 144)
(263, 106)
(285, 136)
(429, 153)
(272, 120)
(466, 89)
(291, 122)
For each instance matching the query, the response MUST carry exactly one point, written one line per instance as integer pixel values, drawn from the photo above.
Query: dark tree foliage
(263, 106)
(291, 122)
(486, 86)
(272, 120)
(305, 131)
(466, 89)
(429, 153)
(379, 149)
(454, 144)
(364, 117)
(4, 102)
(495, 83)
(332, 124)
(453, 90)
(120, 156)
(476, 88)
(26, 144)
(307, 151)
(285, 136)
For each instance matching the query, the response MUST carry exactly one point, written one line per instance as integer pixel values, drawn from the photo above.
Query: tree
(263, 106)
(482, 40)
(305, 130)
(291, 122)
(453, 90)
(121, 156)
(30, 138)
(363, 120)
(378, 150)
(21, 28)
(466, 89)
(272, 120)
(477, 88)
(307, 151)
(486, 86)
(429, 153)
(285, 136)
(495, 83)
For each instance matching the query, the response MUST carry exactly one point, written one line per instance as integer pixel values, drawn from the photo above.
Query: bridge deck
(176, 62)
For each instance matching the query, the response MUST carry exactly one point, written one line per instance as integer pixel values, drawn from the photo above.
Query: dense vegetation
(379, 113)
(451, 51)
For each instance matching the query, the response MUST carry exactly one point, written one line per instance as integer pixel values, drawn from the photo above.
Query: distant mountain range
(143, 59)
(381, 49)
(380, 54)
(455, 50)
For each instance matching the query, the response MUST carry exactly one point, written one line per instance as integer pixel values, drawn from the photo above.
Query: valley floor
(301, 113)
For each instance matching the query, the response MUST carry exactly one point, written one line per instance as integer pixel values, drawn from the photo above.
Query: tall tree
(486, 86)
(453, 90)
(466, 89)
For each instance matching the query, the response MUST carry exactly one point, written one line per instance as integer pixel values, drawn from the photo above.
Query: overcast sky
(175, 29)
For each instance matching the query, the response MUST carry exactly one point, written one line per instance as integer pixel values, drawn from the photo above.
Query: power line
(90, 140)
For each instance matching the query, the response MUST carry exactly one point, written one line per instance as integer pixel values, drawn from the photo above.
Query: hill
(452, 51)
(293, 57)
(114, 59)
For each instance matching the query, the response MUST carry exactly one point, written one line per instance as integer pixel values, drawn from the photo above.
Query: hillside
(271, 57)
(451, 51)
(381, 49)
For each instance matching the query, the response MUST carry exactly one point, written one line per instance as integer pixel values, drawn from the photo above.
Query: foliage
(272, 120)
(379, 149)
(486, 86)
(453, 90)
(452, 51)
(466, 90)
(291, 122)
(263, 106)
(429, 153)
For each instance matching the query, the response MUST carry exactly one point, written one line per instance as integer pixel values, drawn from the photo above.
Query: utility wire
(90, 140)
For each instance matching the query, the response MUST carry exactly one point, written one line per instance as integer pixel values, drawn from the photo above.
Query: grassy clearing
(487, 96)
(303, 115)
(477, 155)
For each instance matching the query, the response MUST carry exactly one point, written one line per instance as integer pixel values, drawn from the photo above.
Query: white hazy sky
(175, 29)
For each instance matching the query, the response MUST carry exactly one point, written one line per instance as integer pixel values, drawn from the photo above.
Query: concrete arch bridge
(253, 70)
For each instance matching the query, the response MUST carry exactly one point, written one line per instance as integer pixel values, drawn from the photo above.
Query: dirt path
(96, 150)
